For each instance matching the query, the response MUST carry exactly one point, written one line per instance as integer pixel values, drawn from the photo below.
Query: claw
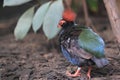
(76, 74)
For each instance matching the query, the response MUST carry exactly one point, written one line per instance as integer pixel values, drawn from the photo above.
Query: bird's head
(65, 24)
(69, 17)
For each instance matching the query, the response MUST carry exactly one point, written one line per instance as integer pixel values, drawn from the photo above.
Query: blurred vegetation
(9, 13)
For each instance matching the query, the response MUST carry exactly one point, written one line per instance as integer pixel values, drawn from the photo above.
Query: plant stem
(67, 3)
(88, 21)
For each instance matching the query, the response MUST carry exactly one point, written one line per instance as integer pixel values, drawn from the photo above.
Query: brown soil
(30, 59)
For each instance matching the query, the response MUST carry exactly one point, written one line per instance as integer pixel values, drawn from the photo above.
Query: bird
(81, 46)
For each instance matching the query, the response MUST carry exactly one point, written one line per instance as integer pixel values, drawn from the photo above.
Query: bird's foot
(76, 74)
(72, 75)
(88, 73)
(89, 77)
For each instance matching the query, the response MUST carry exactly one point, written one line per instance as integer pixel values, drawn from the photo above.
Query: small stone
(25, 74)
(48, 56)
(28, 66)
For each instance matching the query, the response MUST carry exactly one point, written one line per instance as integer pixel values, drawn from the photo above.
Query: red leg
(89, 72)
(76, 74)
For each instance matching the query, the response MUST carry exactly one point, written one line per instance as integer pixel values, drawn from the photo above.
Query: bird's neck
(65, 30)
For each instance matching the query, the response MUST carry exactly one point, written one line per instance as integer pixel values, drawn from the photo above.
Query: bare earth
(30, 59)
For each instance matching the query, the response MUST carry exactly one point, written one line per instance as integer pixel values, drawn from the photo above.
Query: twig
(67, 3)
(87, 18)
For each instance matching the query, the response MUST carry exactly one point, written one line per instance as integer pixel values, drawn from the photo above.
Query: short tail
(100, 62)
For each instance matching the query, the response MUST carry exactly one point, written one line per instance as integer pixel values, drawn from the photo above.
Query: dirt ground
(32, 59)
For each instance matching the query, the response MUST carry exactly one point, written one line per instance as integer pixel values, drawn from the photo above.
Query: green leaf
(93, 5)
(24, 24)
(52, 19)
(39, 16)
(14, 2)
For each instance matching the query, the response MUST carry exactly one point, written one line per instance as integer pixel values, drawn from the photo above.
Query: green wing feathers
(91, 42)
